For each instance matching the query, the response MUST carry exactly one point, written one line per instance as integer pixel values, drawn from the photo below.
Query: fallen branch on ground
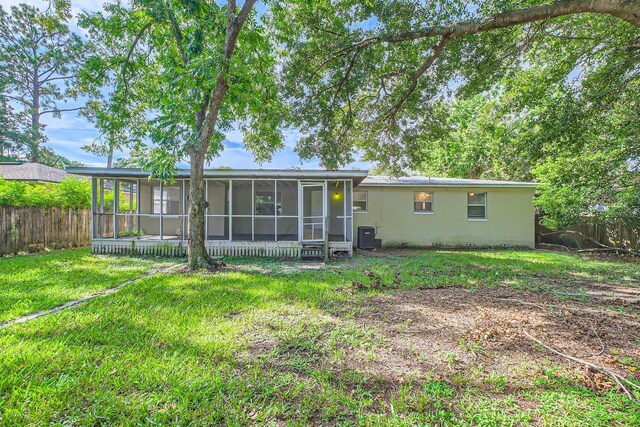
(618, 379)
(551, 245)
(440, 287)
(602, 347)
(602, 246)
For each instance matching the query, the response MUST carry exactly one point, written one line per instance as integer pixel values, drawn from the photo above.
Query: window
(171, 199)
(265, 203)
(477, 205)
(422, 202)
(264, 197)
(360, 201)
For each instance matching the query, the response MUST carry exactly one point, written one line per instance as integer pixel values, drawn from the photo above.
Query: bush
(70, 193)
(75, 193)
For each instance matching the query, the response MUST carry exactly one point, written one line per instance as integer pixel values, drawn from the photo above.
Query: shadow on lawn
(36, 282)
(245, 347)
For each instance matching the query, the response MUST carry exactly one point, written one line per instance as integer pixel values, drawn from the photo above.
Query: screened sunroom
(250, 212)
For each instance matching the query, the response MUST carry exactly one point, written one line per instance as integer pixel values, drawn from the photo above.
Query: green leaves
(165, 83)
(359, 76)
(70, 193)
(38, 65)
(553, 100)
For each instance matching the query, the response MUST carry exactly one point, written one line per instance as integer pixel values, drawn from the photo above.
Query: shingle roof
(15, 171)
(375, 181)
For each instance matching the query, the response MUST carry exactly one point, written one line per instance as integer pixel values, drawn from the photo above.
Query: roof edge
(464, 184)
(423, 181)
(228, 173)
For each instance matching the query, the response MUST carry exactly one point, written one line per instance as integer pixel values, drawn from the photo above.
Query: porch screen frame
(184, 191)
(252, 216)
(311, 183)
(183, 217)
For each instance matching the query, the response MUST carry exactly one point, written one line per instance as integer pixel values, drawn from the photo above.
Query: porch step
(312, 250)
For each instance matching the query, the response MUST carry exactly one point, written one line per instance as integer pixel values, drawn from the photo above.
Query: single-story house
(297, 213)
(30, 172)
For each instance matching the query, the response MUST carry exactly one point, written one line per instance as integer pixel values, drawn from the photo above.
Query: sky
(69, 133)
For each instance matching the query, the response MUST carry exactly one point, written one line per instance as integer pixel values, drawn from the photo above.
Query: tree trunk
(34, 142)
(198, 256)
(207, 119)
(110, 156)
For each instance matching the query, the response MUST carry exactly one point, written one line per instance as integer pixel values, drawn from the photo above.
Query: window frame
(366, 201)
(484, 205)
(422, 211)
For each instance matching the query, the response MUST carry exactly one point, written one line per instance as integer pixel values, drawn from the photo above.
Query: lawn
(45, 280)
(269, 342)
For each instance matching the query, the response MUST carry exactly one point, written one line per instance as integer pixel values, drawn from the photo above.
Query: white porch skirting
(214, 248)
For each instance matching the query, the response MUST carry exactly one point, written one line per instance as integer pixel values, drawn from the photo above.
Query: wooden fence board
(30, 229)
(590, 234)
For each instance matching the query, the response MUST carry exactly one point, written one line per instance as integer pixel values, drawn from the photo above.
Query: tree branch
(628, 10)
(234, 25)
(131, 49)
(62, 110)
(345, 78)
(413, 79)
(177, 34)
(57, 78)
(619, 379)
(137, 39)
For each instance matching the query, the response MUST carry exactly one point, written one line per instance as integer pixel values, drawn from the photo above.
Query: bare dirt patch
(479, 333)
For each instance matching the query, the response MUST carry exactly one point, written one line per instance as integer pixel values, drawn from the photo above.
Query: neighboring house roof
(384, 181)
(35, 172)
(356, 175)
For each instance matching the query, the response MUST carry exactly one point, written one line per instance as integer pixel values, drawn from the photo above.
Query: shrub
(70, 193)
(75, 193)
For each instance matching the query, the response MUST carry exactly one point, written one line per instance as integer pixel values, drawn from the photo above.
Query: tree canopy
(161, 62)
(518, 90)
(376, 77)
(181, 73)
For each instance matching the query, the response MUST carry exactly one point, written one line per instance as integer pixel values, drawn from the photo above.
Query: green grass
(40, 281)
(264, 344)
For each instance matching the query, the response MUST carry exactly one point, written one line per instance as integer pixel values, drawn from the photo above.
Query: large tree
(376, 77)
(39, 57)
(565, 113)
(11, 135)
(120, 117)
(192, 69)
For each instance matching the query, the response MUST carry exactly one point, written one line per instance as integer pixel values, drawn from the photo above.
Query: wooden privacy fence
(31, 229)
(590, 234)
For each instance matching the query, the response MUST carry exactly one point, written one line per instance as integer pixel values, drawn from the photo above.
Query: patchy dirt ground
(468, 321)
(466, 337)
(479, 332)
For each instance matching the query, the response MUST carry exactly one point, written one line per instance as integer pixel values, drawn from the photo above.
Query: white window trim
(433, 205)
(485, 205)
(353, 200)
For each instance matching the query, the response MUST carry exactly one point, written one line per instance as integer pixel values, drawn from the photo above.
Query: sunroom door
(313, 211)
